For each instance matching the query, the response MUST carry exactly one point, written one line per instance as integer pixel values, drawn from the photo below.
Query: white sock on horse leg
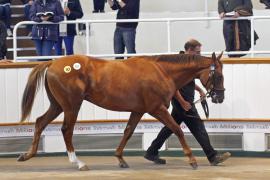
(74, 160)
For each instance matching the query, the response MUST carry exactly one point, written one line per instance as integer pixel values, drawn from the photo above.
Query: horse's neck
(184, 73)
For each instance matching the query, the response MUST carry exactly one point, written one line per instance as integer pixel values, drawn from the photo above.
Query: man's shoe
(220, 158)
(155, 159)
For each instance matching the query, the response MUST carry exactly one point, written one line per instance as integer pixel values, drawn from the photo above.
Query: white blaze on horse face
(74, 160)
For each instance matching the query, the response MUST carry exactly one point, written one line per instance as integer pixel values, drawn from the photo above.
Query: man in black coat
(185, 110)
(236, 34)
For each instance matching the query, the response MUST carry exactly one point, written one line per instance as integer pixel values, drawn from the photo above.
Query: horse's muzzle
(217, 96)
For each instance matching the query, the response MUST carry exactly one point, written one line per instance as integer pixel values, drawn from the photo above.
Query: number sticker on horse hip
(67, 69)
(77, 66)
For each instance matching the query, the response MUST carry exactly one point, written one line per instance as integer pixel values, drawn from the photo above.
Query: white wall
(246, 96)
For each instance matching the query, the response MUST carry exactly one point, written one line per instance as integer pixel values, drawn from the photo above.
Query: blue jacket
(46, 31)
(75, 13)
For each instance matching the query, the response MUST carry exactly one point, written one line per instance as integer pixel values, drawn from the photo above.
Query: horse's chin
(217, 100)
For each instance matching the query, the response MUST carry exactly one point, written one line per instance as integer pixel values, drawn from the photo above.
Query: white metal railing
(168, 21)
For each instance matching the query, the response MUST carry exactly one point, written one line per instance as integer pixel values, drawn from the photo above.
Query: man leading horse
(184, 110)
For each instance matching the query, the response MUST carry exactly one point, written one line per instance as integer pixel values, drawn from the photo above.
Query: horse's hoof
(123, 165)
(21, 158)
(84, 168)
(194, 165)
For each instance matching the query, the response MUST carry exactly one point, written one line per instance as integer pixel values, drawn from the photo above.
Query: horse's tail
(32, 86)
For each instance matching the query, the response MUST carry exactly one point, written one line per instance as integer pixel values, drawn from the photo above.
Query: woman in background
(45, 35)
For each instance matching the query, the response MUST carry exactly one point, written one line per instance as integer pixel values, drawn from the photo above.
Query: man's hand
(202, 94)
(110, 2)
(222, 15)
(185, 105)
(66, 11)
(236, 15)
(45, 18)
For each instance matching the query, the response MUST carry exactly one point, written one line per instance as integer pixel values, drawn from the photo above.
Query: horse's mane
(179, 58)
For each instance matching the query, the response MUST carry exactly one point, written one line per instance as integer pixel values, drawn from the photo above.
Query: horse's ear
(219, 56)
(214, 56)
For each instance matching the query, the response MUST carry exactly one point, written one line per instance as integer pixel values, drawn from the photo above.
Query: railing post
(87, 33)
(15, 42)
(206, 12)
(252, 36)
(169, 35)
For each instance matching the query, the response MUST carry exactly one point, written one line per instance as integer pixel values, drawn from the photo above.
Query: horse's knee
(64, 129)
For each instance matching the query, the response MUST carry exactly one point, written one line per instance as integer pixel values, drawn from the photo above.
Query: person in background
(98, 6)
(5, 14)
(236, 34)
(3, 38)
(185, 110)
(72, 11)
(266, 2)
(45, 35)
(27, 6)
(125, 33)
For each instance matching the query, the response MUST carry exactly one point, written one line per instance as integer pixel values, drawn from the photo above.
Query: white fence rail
(168, 22)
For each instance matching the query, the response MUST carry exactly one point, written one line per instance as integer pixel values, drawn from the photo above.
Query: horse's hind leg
(163, 116)
(67, 131)
(41, 123)
(131, 125)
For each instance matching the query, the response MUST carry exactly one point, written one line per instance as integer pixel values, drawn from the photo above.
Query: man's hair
(192, 44)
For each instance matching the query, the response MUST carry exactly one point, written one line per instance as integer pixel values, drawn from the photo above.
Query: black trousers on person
(99, 5)
(196, 127)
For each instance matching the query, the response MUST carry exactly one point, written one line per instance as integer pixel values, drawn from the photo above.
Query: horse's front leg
(163, 116)
(131, 125)
(67, 131)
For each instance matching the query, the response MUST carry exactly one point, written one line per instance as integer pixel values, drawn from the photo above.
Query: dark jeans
(124, 37)
(99, 5)
(26, 14)
(5, 14)
(44, 47)
(69, 41)
(196, 127)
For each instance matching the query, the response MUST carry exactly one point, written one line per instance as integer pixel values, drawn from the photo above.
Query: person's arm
(201, 92)
(113, 4)
(33, 12)
(76, 13)
(221, 10)
(59, 16)
(121, 3)
(185, 104)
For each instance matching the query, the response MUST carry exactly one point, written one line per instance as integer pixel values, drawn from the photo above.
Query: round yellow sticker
(67, 69)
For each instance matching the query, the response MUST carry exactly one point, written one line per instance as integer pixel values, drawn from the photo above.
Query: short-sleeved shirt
(188, 92)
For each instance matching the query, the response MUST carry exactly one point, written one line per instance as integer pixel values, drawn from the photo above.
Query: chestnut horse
(138, 85)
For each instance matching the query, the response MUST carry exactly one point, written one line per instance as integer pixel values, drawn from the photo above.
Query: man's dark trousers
(196, 127)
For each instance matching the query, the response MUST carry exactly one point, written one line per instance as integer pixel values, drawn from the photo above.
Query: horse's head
(212, 79)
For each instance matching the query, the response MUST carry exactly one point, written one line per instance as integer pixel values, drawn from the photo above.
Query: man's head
(193, 47)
